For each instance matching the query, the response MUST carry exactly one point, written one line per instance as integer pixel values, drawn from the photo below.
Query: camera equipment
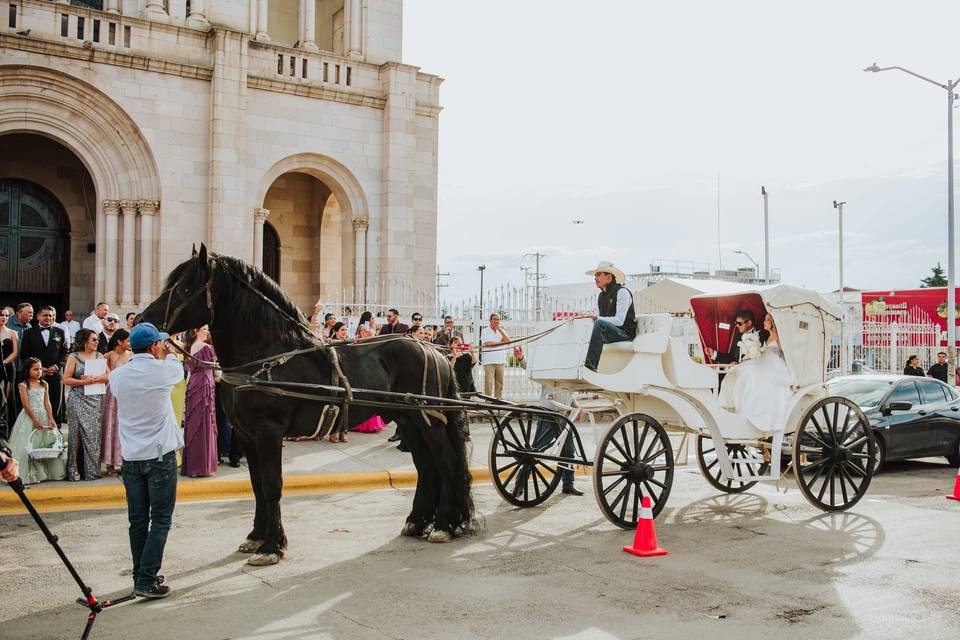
(88, 600)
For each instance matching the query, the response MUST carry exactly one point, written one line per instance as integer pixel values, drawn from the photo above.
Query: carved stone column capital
(360, 224)
(148, 207)
(128, 206)
(111, 207)
(260, 214)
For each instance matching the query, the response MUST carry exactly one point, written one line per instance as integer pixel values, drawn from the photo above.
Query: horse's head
(185, 302)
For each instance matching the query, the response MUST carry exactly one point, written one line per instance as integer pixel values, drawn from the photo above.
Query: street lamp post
(766, 237)
(481, 269)
(838, 205)
(756, 265)
(951, 296)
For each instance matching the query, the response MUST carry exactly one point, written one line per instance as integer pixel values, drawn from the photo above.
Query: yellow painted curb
(112, 496)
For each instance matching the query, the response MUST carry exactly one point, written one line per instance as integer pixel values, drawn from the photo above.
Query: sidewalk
(368, 461)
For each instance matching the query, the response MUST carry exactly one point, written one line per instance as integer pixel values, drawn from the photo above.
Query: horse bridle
(207, 287)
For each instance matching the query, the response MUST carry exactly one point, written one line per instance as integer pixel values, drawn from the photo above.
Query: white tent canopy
(806, 321)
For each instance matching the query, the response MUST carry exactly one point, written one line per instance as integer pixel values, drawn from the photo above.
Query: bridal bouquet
(750, 346)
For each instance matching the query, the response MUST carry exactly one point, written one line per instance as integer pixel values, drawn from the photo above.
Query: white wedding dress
(759, 389)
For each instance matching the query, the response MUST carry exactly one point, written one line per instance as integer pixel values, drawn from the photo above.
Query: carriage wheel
(634, 459)
(834, 454)
(520, 477)
(710, 465)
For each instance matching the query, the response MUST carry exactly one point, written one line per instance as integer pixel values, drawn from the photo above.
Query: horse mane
(251, 307)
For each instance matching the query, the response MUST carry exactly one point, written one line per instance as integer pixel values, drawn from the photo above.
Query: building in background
(284, 132)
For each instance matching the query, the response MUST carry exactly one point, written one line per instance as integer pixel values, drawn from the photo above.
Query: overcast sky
(624, 113)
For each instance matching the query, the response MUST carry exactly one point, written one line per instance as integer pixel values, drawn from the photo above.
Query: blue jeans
(547, 433)
(604, 332)
(151, 487)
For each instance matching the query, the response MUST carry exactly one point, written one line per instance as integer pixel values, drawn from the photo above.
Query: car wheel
(881, 453)
(954, 458)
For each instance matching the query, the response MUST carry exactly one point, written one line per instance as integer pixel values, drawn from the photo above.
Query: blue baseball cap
(144, 335)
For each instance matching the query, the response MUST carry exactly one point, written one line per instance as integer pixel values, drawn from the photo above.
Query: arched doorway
(34, 247)
(271, 252)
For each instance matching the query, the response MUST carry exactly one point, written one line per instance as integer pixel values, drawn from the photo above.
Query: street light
(481, 269)
(766, 237)
(951, 297)
(756, 265)
(838, 205)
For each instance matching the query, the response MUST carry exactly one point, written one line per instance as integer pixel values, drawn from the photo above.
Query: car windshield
(866, 393)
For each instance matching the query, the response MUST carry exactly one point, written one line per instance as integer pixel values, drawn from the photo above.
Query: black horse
(252, 320)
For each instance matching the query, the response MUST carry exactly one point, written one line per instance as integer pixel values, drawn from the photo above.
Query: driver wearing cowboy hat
(615, 320)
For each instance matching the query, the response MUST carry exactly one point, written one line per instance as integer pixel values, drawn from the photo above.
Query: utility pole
(526, 287)
(440, 286)
(481, 269)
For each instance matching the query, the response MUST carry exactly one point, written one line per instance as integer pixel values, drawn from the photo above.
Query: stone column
(260, 216)
(360, 259)
(129, 208)
(308, 25)
(113, 6)
(262, 11)
(198, 17)
(353, 26)
(111, 211)
(155, 11)
(148, 210)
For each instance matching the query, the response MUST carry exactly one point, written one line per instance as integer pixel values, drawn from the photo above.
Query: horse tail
(463, 514)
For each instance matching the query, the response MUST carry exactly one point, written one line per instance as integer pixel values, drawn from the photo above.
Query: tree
(936, 280)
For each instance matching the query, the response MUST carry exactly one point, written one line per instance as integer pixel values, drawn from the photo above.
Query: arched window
(271, 252)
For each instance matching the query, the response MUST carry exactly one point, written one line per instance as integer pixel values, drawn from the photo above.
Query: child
(37, 415)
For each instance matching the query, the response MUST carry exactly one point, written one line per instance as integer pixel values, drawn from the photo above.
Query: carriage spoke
(711, 465)
(525, 428)
(614, 484)
(654, 455)
(627, 453)
(859, 442)
(509, 466)
(851, 466)
(512, 474)
(656, 482)
(620, 496)
(620, 463)
(626, 456)
(643, 436)
(636, 437)
(516, 440)
(820, 432)
(843, 484)
(816, 439)
(536, 485)
(846, 425)
(621, 472)
(814, 465)
(829, 425)
(636, 504)
(653, 494)
(623, 505)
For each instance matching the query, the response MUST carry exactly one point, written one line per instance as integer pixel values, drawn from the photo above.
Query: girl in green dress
(36, 416)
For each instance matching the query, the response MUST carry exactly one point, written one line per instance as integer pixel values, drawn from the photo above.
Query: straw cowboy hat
(608, 267)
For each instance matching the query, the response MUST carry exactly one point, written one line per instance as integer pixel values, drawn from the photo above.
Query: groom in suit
(745, 324)
(48, 343)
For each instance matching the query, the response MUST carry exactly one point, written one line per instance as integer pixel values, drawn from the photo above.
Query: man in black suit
(745, 324)
(48, 343)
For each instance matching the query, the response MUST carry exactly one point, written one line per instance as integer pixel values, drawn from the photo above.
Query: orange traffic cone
(645, 540)
(956, 489)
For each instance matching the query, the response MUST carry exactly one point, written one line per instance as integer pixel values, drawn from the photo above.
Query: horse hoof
(439, 536)
(409, 530)
(250, 546)
(264, 559)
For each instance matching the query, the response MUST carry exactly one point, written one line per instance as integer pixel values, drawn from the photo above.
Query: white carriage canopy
(807, 323)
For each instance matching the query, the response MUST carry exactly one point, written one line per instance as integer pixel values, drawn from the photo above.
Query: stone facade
(156, 130)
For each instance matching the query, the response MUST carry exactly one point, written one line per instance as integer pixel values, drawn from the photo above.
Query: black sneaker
(571, 490)
(155, 592)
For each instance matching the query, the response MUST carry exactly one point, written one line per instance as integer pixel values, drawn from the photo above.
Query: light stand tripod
(89, 601)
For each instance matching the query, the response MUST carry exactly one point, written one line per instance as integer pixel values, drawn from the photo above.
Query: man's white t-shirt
(499, 356)
(93, 323)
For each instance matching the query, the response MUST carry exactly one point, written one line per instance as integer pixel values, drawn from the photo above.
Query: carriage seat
(653, 332)
(683, 372)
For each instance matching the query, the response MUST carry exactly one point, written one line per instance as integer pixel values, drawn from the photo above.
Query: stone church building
(285, 132)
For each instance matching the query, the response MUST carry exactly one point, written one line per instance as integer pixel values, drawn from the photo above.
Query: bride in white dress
(759, 388)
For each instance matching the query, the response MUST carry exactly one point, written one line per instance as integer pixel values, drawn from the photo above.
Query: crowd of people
(55, 373)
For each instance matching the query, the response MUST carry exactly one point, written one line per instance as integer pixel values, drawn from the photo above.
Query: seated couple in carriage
(757, 385)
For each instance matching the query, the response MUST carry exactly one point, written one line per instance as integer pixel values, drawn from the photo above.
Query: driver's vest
(607, 306)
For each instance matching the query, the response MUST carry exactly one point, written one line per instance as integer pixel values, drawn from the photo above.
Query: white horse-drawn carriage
(826, 442)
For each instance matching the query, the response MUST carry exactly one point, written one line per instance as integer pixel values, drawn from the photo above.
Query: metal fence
(883, 346)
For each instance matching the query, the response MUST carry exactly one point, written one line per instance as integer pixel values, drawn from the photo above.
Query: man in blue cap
(149, 439)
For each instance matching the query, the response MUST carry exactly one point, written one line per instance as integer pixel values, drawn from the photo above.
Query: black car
(912, 417)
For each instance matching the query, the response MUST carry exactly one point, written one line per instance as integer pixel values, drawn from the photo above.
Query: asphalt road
(761, 564)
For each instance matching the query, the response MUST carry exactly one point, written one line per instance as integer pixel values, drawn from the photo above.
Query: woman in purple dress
(200, 417)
